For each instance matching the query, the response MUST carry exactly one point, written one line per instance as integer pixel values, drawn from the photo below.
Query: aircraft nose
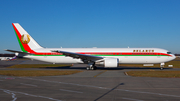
(173, 56)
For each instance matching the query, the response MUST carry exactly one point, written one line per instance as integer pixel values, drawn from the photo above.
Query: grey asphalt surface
(99, 85)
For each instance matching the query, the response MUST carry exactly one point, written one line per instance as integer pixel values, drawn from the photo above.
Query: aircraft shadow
(102, 68)
(109, 91)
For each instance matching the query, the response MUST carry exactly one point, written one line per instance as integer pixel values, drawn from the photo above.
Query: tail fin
(26, 42)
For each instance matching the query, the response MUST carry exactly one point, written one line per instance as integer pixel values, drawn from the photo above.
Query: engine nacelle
(109, 62)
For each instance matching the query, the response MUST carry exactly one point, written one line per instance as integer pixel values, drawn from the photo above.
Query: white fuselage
(124, 55)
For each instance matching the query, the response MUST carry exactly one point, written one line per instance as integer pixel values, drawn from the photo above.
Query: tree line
(7, 55)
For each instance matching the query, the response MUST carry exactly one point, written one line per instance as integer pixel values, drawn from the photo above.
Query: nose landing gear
(162, 65)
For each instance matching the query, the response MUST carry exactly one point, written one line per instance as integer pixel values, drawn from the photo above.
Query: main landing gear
(91, 67)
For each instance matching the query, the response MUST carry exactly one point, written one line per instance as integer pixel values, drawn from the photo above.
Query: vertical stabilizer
(26, 42)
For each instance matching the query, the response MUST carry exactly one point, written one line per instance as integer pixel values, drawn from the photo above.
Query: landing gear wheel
(88, 68)
(162, 65)
(92, 68)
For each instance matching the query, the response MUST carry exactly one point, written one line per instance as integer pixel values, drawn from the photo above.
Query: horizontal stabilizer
(14, 51)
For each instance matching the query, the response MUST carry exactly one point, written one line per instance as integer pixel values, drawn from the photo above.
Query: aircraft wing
(81, 56)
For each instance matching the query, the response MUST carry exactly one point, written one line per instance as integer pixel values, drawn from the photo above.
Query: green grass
(175, 63)
(37, 65)
(29, 73)
(152, 73)
(163, 74)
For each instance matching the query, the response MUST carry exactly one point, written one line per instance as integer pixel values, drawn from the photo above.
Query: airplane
(13, 58)
(93, 57)
(8, 58)
(4, 58)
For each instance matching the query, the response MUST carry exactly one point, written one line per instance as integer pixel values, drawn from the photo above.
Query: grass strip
(29, 73)
(175, 63)
(163, 74)
(37, 65)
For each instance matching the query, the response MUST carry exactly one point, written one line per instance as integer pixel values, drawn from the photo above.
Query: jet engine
(109, 62)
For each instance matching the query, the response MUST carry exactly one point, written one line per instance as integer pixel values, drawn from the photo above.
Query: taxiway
(98, 85)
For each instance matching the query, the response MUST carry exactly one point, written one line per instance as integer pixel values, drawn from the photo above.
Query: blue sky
(93, 23)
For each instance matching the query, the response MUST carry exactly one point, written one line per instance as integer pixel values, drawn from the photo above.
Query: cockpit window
(169, 53)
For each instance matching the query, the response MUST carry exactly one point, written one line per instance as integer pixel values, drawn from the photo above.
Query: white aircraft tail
(26, 42)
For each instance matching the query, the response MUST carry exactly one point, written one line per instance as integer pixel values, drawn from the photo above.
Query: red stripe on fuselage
(105, 53)
(123, 53)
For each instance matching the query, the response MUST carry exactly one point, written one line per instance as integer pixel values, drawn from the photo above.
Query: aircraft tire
(88, 68)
